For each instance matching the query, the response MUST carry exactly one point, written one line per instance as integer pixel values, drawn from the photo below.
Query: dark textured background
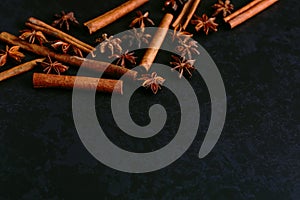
(255, 158)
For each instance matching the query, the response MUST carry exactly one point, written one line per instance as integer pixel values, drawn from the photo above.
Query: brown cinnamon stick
(251, 12)
(241, 10)
(49, 30)
(156, 42)
(191, 13)
(113, 15)
(186, 14)
(110, 69)
(69, 82)
(20, 69)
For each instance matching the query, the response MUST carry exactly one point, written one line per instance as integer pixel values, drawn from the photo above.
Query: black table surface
(42, 156)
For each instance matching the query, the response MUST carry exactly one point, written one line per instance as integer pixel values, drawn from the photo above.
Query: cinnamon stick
(156, 42)
(113, 15)
(69, 82)
(183, 13)
(39, 25)
(251, 12)
(20, 69)
(241, 10)
(110, 69)
(186, 14)
(191, 13)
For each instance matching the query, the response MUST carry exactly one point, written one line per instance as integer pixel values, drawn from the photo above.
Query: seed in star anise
(65, 19)
(181, 64)
(67, 48)
(53, 66)
(204, 23)
(33, 36)
(153, 81)
(223, 7)
(125, 58)
(12, 52)
(141, 20)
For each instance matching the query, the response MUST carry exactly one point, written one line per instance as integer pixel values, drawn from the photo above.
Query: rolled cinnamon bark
(157, 41)
(251, 12)
(110, 69)
(182, 14)
(20, 69)
(241, 10)
(39, 25)
(69, 82)
(113, 15)
(186, 14)
(191, 13)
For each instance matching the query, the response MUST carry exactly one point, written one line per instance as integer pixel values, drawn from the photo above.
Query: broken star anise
(110, 42)
(12, 52)
(141, 19)
(223, 7)
(33, 36)
(123, 59)
(53, 66)
(204, 23)
(65, 19)
(181, 64)
(67, 48)
(153, 81)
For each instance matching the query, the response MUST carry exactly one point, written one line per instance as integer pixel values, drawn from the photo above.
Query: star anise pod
(141, 19)
(204, 23)
(33, 36)
(187, 48)
(181, 35)
(67, 48)
(138, 37)
(12, 52)
(65, 19)
(173, 5)
(124, 58)
(53, 66)
(153, 81)
(110, 43)
(223, 7)
(181, 64)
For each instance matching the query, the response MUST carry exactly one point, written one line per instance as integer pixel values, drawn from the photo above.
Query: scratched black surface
(42, 156)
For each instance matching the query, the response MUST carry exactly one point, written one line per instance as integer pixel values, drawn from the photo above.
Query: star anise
(170, 5)
(173, 5)
(223, 7)
(153, 81)
(12, 52)
(181, 64)
(187, 48)
(53, 66)
(123, 59)
(32, 36)
(204, 23)
(141, 19)
(65, 19)
(181, 35)
(138, 37)
(110, 43)
(67, 48)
